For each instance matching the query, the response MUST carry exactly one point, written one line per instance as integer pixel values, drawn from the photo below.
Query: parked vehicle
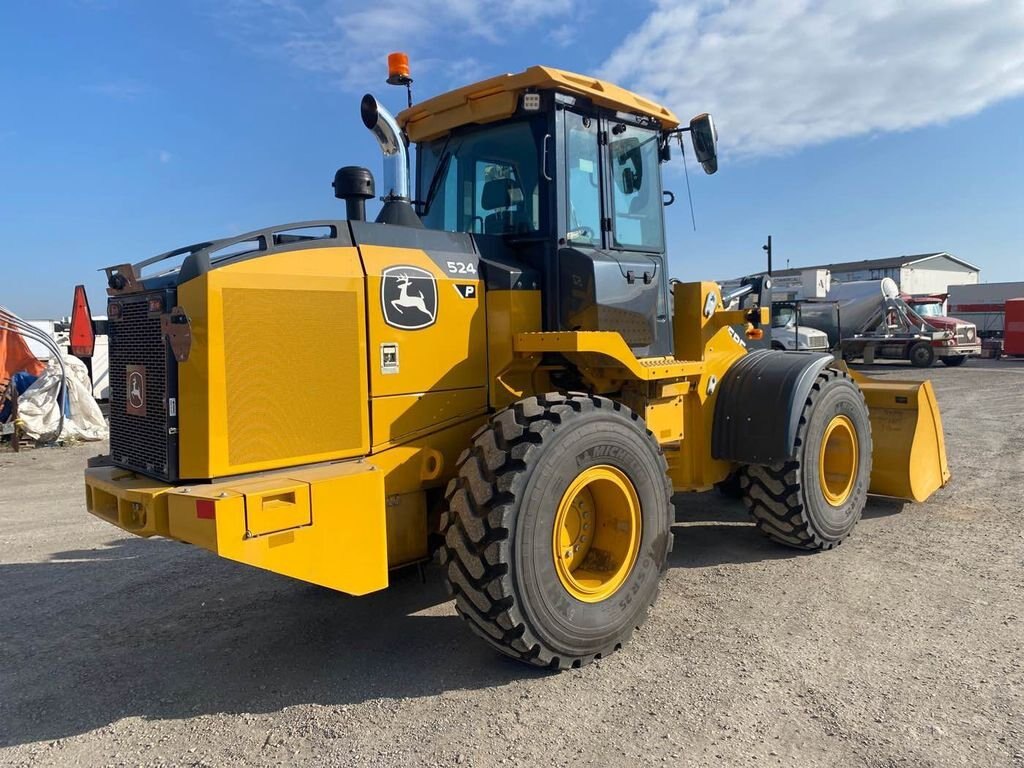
(330, 400)
(789, 333)
(1013, 329)
(984, 305)
(965, 334)
(869, 320)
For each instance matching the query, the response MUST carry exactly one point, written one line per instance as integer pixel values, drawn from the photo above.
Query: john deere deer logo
(135, 384)
(408, 297)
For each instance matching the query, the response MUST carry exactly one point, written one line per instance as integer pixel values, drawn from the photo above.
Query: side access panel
(276, 375)
(427, 336)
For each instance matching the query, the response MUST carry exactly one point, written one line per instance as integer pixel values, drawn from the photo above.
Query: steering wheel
(580, 233)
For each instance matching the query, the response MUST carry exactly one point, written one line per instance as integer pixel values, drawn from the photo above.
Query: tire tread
(772, 494)
(476, 530)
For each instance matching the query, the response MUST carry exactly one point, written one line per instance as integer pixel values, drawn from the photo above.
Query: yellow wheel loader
(497, 372)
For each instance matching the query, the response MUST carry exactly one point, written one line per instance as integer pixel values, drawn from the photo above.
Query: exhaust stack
(384, 127)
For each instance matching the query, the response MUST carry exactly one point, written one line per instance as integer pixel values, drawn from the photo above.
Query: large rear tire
(814, 501)
(558, 529)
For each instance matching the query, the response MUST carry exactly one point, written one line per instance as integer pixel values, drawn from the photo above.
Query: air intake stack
(354, 185)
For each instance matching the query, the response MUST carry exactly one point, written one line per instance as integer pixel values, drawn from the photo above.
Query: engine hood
(943, 322)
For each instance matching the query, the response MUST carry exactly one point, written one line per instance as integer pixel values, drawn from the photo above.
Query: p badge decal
(408, 297)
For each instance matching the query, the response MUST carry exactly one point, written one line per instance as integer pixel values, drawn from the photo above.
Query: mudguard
(760, 399)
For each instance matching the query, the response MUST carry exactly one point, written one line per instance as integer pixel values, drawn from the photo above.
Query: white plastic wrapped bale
(39, 406)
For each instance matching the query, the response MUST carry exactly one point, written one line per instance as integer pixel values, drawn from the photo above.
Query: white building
(920, 274)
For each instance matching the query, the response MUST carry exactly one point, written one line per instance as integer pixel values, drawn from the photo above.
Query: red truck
(1013, 334)
(964, 342)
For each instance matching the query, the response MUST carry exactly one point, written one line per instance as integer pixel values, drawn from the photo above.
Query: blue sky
(130, 128)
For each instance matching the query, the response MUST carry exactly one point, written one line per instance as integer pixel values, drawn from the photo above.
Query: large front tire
(814, 501)
(921, 355)
(529, 573)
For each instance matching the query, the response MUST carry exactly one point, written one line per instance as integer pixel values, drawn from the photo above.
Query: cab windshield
(928, 310)
(783, 316)
(483, 181)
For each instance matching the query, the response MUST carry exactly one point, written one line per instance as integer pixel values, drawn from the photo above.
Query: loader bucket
(909, 452)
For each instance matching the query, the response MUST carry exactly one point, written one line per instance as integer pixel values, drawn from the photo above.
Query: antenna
(686, 172)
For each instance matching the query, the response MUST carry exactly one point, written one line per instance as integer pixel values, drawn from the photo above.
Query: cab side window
(499, 199)
(636, 188)
(583, 177)
(488, 181)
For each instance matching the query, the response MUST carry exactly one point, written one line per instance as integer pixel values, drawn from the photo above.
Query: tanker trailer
(867, 319)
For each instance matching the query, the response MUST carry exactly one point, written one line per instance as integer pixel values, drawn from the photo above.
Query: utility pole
(767, 247)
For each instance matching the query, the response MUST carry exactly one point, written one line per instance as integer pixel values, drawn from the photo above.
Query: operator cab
(557, 178)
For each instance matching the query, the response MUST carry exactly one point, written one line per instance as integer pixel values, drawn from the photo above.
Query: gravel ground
(901, 648)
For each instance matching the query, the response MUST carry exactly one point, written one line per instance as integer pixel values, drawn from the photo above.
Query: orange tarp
(15, 356)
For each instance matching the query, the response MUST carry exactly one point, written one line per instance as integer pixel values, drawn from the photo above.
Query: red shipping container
(1013, 336)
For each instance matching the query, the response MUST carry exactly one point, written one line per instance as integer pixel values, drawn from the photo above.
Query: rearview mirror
(627, 154)
(704, 136)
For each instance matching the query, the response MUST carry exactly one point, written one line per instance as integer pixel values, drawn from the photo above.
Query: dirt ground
(901, 648)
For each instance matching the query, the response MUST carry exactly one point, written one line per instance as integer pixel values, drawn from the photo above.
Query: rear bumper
(325, 525)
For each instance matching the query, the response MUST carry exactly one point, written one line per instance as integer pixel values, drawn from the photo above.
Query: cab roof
(498, 97)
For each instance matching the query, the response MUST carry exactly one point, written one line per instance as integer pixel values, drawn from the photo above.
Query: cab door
(634, 224)
(611, 260)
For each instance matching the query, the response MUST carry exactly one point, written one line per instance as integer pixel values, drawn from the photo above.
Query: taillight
(205, 509)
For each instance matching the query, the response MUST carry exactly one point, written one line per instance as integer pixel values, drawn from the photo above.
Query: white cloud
(348, 40)
(562, 35)
(782, 74)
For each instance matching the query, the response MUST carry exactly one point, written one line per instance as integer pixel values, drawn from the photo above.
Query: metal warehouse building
(923, 273)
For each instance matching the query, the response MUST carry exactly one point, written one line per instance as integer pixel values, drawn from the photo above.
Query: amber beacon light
(398, 72)
(398, 69)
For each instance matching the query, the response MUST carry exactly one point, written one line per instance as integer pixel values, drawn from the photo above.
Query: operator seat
(498, 196)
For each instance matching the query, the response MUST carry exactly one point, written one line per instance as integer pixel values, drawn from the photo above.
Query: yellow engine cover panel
(277, 372)
(401, 417)
(448, 352)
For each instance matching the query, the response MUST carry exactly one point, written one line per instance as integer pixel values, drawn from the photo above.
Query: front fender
(759, 403)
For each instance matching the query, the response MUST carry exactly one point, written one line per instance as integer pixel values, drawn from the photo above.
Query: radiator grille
(139, 442)
(965, 334)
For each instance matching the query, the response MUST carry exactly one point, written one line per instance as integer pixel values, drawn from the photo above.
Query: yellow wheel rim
(837, 460)
(596, 536)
